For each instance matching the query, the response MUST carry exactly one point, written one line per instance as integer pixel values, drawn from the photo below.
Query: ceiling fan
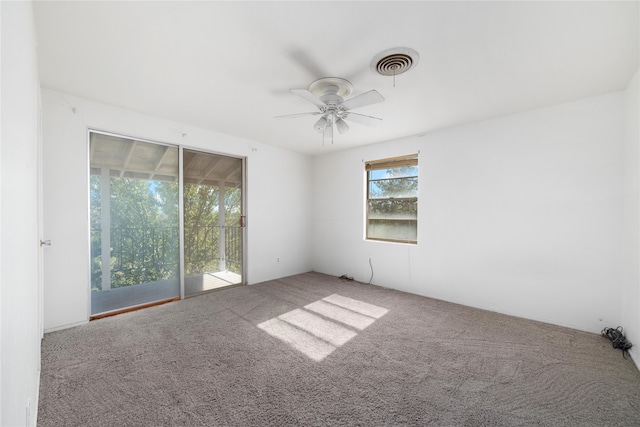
(328, 95)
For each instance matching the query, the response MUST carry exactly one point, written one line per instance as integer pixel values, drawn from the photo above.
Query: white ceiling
(227, 66)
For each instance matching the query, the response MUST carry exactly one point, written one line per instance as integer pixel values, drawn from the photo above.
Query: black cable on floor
(345, 277)
(618, 339)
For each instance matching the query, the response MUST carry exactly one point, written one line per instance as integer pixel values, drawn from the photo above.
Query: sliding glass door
(135, 244)
(135, 210)
(212, 221)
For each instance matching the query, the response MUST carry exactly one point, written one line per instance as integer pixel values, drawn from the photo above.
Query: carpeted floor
(314, 350)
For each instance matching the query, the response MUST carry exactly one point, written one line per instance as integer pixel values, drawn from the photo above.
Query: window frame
(392, 162)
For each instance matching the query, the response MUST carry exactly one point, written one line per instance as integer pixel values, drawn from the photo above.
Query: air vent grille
(393, 65)
(395, 61)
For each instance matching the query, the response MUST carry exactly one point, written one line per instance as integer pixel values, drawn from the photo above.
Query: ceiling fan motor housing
(331, 97)
(335, 85)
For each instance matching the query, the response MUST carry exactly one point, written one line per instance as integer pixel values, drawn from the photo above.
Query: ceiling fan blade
(328, 133)
(293, 116)
(303, 93)
(305, 61)
(367, 98)
(362, 119)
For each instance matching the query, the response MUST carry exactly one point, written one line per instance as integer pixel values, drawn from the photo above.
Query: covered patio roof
(130, 158)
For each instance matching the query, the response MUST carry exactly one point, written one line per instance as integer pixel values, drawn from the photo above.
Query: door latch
(45, 242)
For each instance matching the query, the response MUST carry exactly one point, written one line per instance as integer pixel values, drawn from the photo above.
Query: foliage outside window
(134, 205)
(202, 229)
(144, 238)
(392, 199)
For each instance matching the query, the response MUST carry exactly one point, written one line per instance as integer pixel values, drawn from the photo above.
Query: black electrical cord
(345, 277)
(617, 339)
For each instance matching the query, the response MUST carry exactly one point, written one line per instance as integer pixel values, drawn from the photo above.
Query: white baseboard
(70, 325)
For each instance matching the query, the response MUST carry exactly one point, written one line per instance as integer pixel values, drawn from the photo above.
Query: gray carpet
(313, 350)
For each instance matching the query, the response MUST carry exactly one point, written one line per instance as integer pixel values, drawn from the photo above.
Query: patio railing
(146, 254)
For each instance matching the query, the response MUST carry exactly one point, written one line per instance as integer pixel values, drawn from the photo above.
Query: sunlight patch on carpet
(321, 327)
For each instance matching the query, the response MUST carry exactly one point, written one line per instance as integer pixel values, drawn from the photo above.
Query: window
(392, 199)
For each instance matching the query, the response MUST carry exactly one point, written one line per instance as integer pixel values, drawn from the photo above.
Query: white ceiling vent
(395, 61)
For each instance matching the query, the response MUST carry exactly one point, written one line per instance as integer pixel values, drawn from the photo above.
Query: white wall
(19, 289)
(630, 297)
(519, 214)
(278, 205)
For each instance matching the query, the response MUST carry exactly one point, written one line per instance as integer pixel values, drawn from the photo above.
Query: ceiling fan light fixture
(320, 124)
(342, 125)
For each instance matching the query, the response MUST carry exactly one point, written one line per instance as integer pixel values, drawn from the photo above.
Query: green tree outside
(144, 230)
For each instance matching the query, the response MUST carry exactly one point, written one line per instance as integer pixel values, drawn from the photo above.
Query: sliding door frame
(181, 214)
(181, 149)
